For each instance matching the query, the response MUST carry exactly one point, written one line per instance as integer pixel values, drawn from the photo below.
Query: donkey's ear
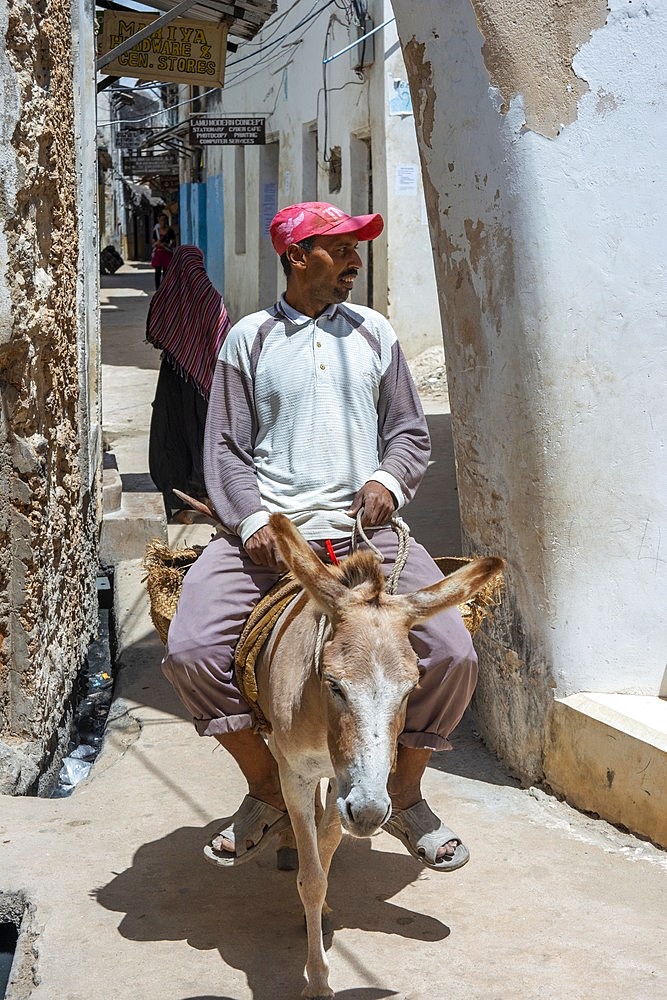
(310, 571)
(456, 588)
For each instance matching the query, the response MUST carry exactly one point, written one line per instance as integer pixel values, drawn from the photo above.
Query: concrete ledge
(607, 754)
(112, 490)
(126, 531)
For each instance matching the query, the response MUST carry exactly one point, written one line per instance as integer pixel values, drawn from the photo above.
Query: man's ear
(297, 256)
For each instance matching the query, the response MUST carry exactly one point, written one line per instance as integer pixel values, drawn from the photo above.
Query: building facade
(339, 131)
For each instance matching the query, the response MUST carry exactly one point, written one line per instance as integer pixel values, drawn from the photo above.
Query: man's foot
(446, 850)
(427, 838)
(253, 827)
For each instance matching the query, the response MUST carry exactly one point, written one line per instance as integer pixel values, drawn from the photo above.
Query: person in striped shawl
(187, 321)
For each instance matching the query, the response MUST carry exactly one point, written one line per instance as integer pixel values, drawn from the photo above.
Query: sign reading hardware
(181, 52)
(227, 131)
(143, 166)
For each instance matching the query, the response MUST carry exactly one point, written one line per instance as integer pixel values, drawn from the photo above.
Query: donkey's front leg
(311, 880)
(329, 830)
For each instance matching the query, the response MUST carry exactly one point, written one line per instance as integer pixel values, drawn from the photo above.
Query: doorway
(361, 203)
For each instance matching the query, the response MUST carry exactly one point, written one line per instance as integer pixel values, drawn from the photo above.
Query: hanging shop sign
(228, 131)
(184, 51)
(131, 137)
(145, 166)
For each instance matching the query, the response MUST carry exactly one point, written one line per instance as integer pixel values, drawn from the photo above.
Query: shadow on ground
(138, 482)
(170, 893)
(470, 758)
(369, 993)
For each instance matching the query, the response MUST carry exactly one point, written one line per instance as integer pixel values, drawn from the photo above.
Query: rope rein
(403, 532)
(401, 529)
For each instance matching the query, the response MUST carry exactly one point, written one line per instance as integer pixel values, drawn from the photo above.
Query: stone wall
(48, 510)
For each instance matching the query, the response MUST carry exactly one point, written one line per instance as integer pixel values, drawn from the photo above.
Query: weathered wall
(47, 508)
(542, 134)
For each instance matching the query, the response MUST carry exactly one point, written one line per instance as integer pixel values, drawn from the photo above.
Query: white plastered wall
(550, 254)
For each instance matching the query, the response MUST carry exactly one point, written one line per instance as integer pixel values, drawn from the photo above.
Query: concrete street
(554, 904)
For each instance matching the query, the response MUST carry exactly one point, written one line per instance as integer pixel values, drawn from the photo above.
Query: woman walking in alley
(188, 321)
(164, 241)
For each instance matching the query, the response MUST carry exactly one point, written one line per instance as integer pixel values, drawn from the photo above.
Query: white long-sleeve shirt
(303, 412)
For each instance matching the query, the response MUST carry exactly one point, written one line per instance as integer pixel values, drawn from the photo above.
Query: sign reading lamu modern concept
(227, 131)
(182, 52)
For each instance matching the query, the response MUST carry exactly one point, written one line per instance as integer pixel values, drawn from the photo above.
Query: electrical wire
(261, 64)
(334, 90)
(333, 19)
(273, 22)
(312, 13)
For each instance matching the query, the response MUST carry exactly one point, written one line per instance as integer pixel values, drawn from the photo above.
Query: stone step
(607, 754)
(127, 530)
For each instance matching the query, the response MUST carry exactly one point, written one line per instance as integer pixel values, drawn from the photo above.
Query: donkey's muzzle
(363, 816)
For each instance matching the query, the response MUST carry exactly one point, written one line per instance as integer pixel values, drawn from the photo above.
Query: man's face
(332, 266)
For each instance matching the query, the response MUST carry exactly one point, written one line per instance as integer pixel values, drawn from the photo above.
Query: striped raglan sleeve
(404, 441)
(231, 428)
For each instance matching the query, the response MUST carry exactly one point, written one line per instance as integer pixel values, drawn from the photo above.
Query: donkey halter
(403, 532)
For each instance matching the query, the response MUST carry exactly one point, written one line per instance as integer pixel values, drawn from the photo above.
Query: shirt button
(318, 344)
(323, 367)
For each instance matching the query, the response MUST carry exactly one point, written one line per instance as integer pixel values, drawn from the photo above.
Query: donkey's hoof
(321, 995)
(287, 859)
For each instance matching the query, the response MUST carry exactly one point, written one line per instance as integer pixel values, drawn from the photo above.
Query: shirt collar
(294, 316)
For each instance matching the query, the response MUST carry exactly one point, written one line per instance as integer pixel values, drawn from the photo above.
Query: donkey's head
(368, 666)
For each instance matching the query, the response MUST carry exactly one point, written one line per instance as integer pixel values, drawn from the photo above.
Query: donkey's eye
(336, 689)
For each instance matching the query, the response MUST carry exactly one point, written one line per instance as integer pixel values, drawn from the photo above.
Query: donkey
(336, 703)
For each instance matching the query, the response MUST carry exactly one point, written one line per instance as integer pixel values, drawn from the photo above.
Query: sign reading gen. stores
(227, 131)
(182, 52)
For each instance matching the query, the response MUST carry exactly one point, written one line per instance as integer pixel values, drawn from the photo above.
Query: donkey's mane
(362, 568)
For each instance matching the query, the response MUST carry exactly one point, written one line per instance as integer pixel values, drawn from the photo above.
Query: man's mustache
(351, 273)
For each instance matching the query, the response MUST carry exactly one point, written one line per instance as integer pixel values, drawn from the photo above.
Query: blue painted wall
(184, 215)
(201, 222)
(215, 230)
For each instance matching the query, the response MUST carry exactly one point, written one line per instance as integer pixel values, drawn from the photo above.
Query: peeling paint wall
(529, 49)
(542, 135)
(48, 346)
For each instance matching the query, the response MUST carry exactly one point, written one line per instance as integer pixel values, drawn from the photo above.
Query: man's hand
(262, 548)
(378, 504)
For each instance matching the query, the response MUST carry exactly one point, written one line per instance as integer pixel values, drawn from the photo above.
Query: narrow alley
(553, 904)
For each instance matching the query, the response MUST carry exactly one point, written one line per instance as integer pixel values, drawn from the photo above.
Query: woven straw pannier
(165, 568)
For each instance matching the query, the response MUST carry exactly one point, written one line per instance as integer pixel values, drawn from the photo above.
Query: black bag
(110, 260)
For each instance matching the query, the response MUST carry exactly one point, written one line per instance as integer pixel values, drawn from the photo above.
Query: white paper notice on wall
(407, 175)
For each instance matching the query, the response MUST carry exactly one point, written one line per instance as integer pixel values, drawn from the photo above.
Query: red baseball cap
(317, 218)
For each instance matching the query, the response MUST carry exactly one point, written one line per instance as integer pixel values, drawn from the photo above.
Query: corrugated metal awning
(246, 17)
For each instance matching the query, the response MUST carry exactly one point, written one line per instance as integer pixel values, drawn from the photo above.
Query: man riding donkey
(313, 413)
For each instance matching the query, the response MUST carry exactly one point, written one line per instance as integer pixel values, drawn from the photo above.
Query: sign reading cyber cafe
(181, 52)
(227, 131)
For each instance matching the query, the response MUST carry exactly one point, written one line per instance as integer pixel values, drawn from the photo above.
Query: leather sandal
(423, 834)
(254, 820)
